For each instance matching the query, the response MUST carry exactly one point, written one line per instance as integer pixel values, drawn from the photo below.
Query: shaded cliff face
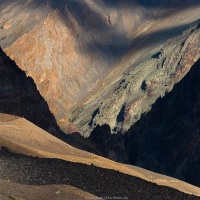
(108, 145)
(107, 62)
(167, 139)
(19, 96)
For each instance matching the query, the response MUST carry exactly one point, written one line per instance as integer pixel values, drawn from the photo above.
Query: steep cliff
(167, 139)
(71, 47)
(69, 50)
(125, 95)
(19, 96)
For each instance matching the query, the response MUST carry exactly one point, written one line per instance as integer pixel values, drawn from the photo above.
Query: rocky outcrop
(100, 71)
(68, 52)
(72, 49)
(19, 96)
(167, 139)
(70, 46)
(120, 101)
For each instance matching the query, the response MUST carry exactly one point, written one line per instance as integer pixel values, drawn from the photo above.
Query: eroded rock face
(119, 102)
(19, 96)
(101, 62)
(18, 17)
(96, 63)
(69, 47)
(69, 50)
(167, 139)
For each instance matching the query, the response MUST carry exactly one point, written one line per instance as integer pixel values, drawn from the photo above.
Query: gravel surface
(101, 182)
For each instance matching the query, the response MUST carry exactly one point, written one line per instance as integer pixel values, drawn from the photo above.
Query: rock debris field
(101, 182)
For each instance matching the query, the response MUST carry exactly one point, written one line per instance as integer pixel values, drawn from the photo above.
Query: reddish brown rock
(72, 51)
(20, 97)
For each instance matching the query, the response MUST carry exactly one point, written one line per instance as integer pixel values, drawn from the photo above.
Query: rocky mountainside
(19, 96)
(166, 139)
(119, 102)
(68, 48)
(100, 66)
(72, 50)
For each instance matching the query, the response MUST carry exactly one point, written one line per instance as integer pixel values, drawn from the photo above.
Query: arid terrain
(72, 167)
(118, 79)
(78, 52)
(174, 141)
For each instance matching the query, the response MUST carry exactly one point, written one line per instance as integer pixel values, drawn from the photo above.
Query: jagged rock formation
(68, 50)
(167, 139)
(70, 47)
(19, 96)
(120, 101)
(98, 62)
(164, 140)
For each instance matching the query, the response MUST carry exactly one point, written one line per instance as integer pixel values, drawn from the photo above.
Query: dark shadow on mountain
(143, 41)
(83, 14)
(167, 139)
(19, 96)
(98, 181)
(93, 31)
(92, 28)
(152, 3)
(108, 145)
(120, 116)
(93, 116)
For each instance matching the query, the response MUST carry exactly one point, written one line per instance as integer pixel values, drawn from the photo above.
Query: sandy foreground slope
(10, 189)
(21, 136)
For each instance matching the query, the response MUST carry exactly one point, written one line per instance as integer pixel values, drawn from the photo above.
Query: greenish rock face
(166, 139)
(98, 67)
(124, 97)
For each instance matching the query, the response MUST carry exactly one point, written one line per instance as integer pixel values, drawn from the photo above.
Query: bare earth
(58, 192)
(21, 136)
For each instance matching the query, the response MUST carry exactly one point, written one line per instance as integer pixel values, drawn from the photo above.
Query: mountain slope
(19, 96)
(12, 190)
(95, 36)
(100, 65)
(139, 80)
(23, 137)
(37, 171)
(166, 139)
